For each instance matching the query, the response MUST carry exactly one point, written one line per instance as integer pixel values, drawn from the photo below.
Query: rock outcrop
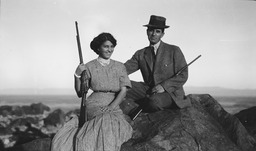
(33, 109)
(57, 117)
(205, 126)
(35, 145)
(248, 119)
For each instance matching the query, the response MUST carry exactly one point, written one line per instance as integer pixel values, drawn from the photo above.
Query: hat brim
(154, 26)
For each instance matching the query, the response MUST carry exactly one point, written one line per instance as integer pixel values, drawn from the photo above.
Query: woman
(106, 128)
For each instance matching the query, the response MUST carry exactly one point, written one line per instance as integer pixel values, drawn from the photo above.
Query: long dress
(103, 131)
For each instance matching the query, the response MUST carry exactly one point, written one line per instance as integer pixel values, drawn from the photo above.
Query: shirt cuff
(78, 76)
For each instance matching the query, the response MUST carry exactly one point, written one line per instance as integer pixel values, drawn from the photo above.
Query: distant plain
(232, 101)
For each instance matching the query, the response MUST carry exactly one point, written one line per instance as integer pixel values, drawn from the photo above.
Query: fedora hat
(157, 22)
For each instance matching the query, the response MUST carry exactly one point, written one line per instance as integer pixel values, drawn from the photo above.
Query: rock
(39, 108)
(5, 110)
(57, 117)
(205, 126)
(21, 137)
(1, 145)
(248, 119)
(17, 111)
(127, 106)
(5, 130)
(23, 121)
(35, 109)
(35, 145)
(231, 124)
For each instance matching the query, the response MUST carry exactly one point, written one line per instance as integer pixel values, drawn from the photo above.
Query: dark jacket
(169, 60)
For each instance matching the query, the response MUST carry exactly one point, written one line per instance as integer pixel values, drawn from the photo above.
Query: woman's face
(106, 50)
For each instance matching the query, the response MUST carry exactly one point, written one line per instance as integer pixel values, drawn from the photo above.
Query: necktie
(153, 55)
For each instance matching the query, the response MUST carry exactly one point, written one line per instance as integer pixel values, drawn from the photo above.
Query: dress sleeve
(88, 70)
(124, 79)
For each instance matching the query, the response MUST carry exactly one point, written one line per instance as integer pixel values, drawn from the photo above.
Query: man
(158, 64)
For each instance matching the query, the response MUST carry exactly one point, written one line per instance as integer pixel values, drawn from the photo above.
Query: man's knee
(159, 102)
(154, 105)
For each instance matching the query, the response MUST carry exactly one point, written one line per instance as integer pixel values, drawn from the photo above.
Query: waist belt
(107, 91)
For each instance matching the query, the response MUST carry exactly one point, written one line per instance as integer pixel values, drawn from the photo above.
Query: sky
(38, 48)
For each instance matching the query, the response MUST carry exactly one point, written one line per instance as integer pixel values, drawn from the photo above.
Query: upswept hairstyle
(100, 39)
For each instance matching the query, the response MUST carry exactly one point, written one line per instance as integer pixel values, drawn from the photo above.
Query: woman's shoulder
(90, 63)
(117, 63)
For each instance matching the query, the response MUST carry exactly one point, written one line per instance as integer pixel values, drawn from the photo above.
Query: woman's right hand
(80, 68)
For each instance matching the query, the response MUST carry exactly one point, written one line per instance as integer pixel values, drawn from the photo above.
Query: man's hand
(158, 89)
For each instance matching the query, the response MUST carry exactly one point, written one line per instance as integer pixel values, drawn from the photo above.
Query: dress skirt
(102, 132)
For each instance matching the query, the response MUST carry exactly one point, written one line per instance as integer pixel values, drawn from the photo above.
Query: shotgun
(137, 111)
(84, 83)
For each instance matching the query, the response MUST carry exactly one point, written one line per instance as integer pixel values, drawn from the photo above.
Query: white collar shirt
(156, 46)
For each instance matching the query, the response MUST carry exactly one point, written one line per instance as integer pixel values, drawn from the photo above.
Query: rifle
(186, 66)
(137, 111)
(84, 83)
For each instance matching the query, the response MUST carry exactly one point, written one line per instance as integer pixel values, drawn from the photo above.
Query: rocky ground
(205, 126)
(22, 124)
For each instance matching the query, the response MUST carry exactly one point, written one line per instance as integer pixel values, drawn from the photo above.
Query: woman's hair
(100, 39)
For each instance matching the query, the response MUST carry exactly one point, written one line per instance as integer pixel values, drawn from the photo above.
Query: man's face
(154, 35)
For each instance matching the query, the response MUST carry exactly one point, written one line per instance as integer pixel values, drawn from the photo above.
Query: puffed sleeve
(87, 69)
(124, 79)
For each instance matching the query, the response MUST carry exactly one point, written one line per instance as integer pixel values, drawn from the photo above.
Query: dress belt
(106, 91)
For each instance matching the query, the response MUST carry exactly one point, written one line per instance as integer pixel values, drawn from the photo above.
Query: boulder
(23, 121)
(57, 117)
(35, 109)
(5, 110)
(205, 126)
(5, 131)
(248, 119)
(35, 145)
(39, 108)
(17, 111)
(1, 145)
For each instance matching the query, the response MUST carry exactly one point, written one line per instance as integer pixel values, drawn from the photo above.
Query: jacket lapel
(148, 58)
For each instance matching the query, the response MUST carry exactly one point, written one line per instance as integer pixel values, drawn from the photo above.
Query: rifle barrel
(79, 44)
(186, 66)
(194, 59)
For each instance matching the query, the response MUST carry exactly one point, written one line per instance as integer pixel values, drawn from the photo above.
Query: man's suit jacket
(169, 60)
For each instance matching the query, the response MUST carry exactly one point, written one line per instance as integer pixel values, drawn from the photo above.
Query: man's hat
(156, 22)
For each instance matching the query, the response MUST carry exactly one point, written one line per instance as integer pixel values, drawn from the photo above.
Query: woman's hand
(80, 68)
(106, 108)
